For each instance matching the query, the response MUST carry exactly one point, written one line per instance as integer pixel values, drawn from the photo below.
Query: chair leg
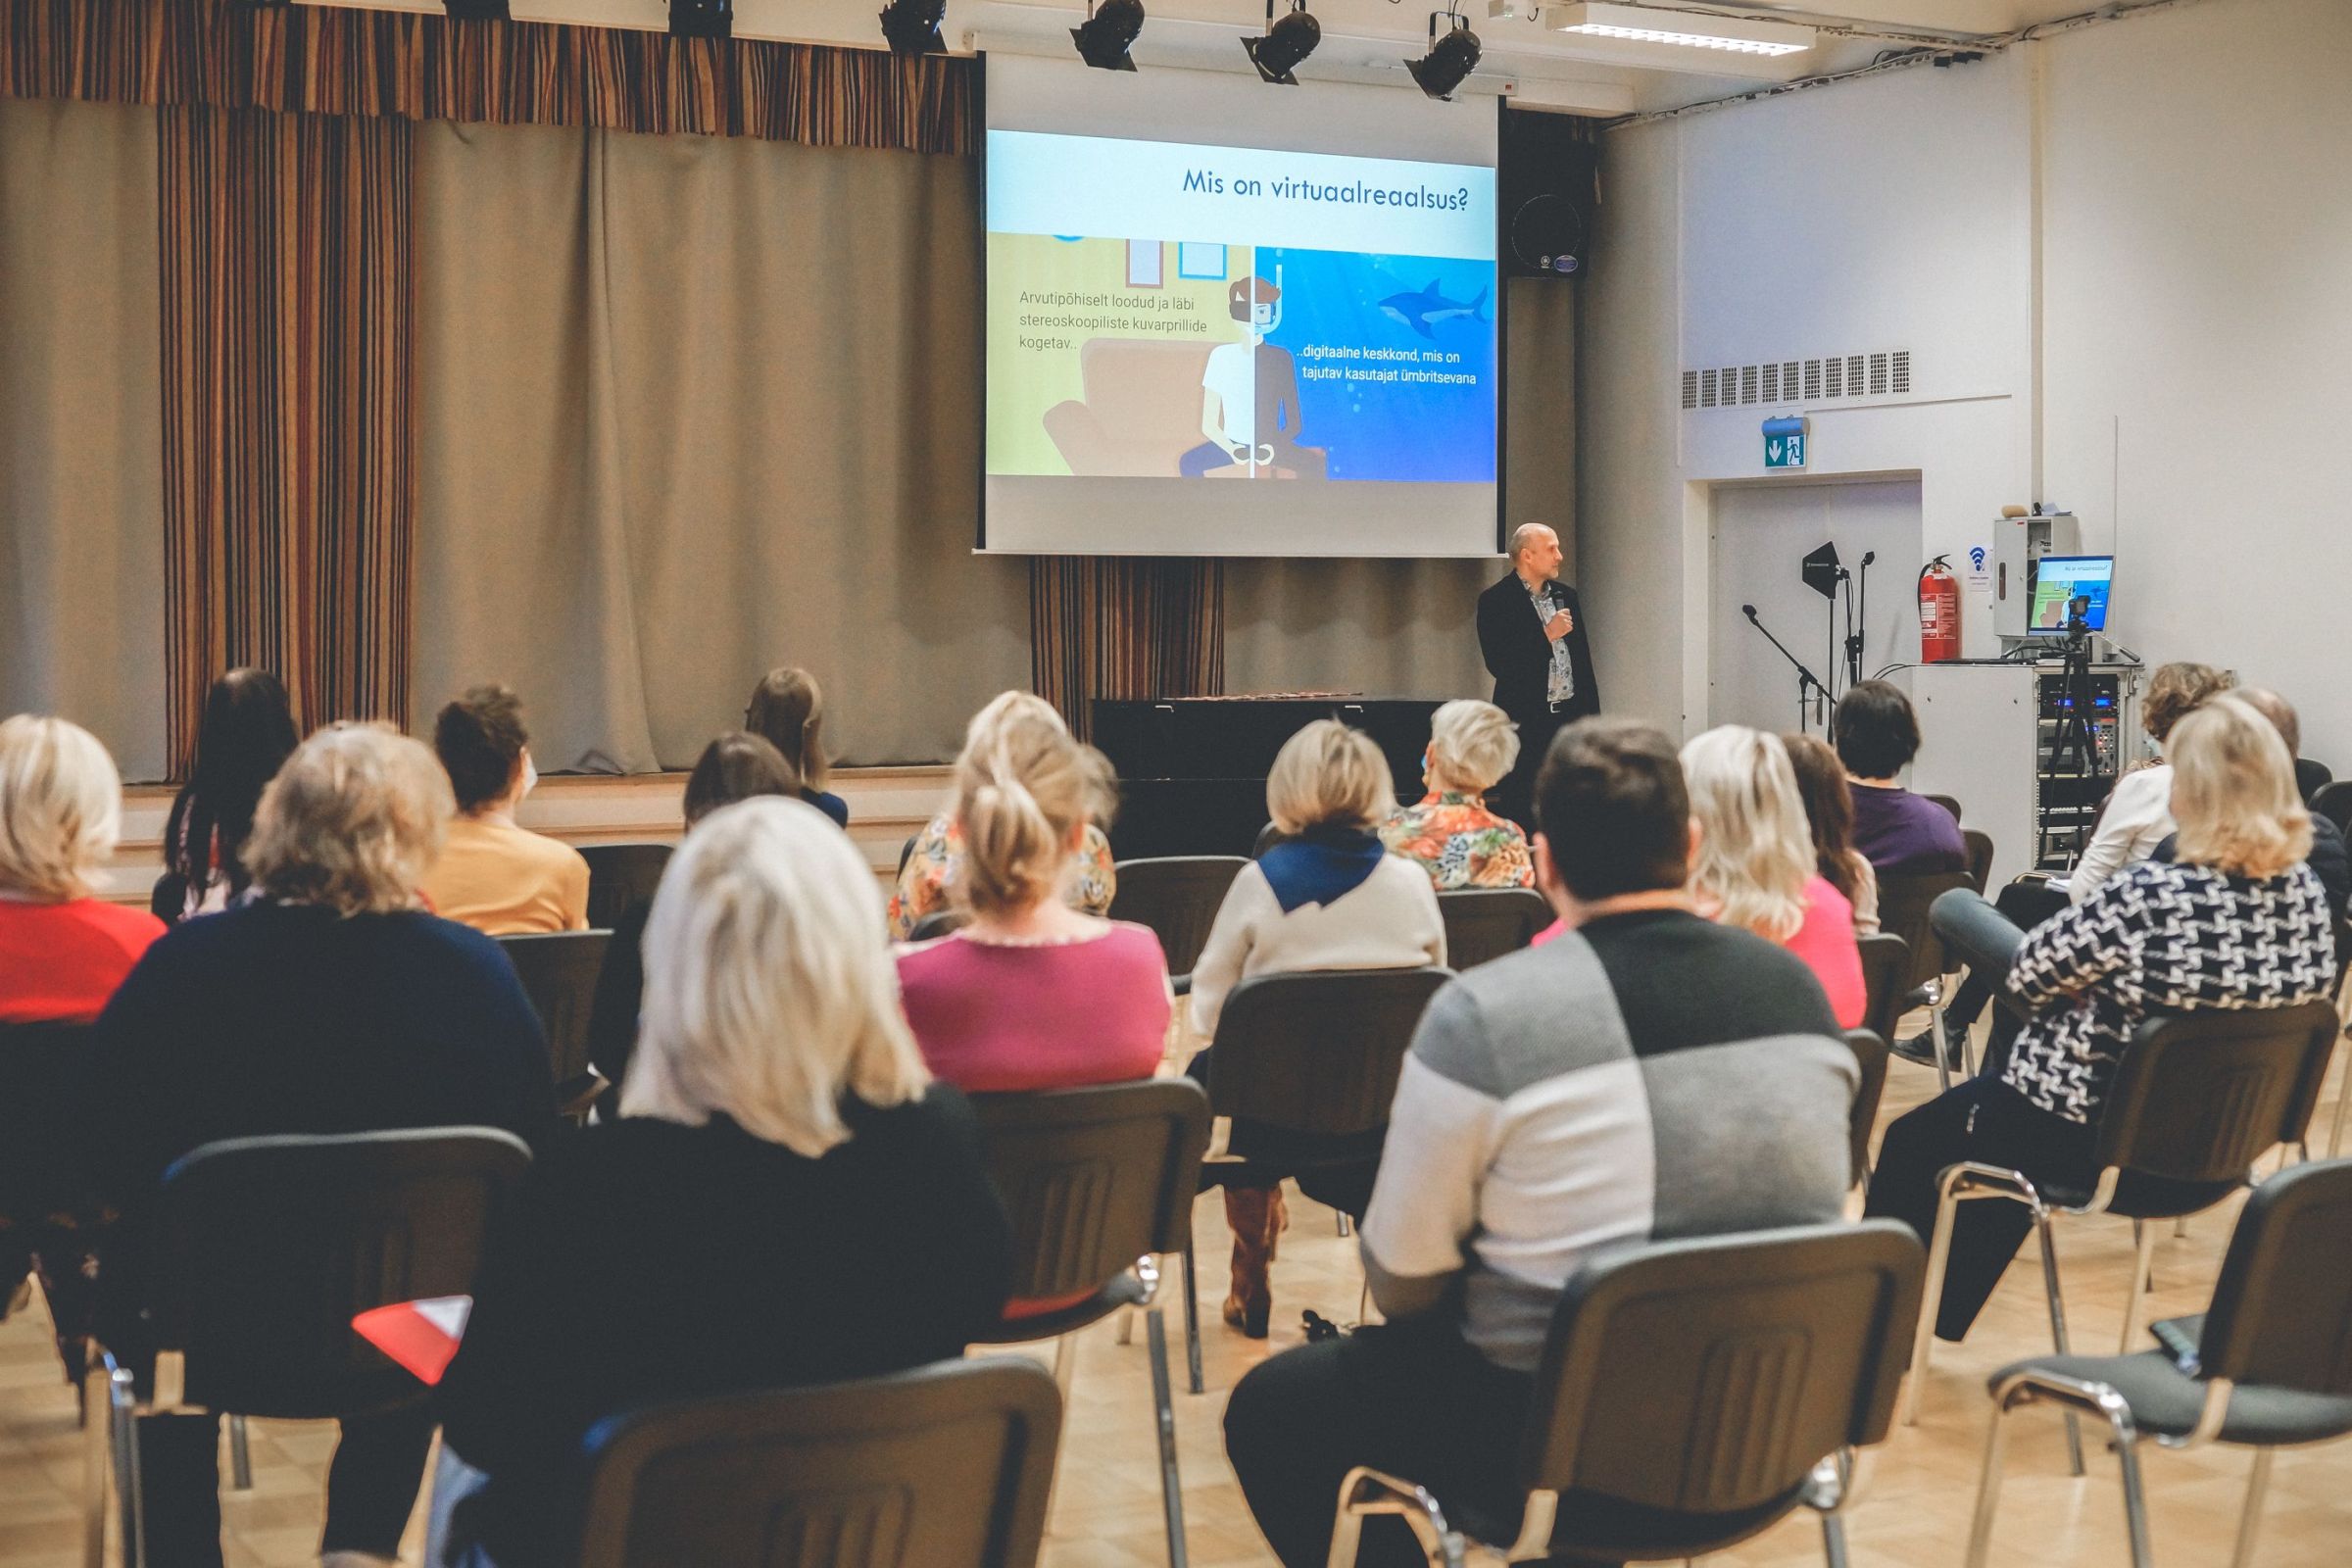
(1939, 1253)
(240, 1456)
(2258, 1487)
(1943, 1070)
(129, 1496)
(2135, 1501)
(1126, 1325)
(1192, 1317)
(1832, 1542)
(1346, 1227)
(2143, 1250)
(2049, 1286)
(1989, 1491)
(1164, 1413)
(96, 1432)
(1066, 1372)
(2343, 1103)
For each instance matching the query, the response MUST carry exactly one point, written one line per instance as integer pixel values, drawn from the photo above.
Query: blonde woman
(1449, 832)
(62, 950)
(1754, 865)
(1328, 897)
(2239, 921)
(786, 1200)
(331, 1003)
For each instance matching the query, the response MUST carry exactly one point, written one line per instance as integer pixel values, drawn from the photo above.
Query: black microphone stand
(1857, 588)
(1806, 681)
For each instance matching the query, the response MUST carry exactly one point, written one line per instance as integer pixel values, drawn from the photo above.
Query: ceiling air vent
(1884, 373)
(1689, 389)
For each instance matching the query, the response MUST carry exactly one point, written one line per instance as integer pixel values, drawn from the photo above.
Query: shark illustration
(1418, 310)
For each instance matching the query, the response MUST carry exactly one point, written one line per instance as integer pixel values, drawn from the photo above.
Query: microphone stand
(1857, 587)
(1806, 681)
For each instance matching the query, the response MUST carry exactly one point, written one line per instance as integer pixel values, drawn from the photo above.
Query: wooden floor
(1919, 1487)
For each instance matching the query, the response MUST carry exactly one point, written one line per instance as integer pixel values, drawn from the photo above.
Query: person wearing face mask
(493, 875)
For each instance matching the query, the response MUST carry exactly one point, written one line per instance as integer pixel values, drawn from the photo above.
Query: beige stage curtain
(688, 408)
(81, 559)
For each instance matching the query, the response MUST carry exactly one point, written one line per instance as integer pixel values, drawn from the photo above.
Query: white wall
(2147, 222)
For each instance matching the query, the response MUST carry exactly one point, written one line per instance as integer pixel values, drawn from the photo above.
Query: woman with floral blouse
(1449, 831)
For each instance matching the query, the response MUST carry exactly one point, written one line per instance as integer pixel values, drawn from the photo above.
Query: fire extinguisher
(1939, 612)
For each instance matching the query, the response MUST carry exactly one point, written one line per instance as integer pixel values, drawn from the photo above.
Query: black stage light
(702, 18)
(1110, 31)
(477, 10)
(1288, 39)
(912, 26)
(1449, 60)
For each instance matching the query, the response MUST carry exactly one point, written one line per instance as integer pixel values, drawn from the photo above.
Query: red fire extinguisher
(1939, 612)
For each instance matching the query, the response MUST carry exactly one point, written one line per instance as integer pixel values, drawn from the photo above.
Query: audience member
(787, 709)
(1648, 1074)
(328, 1003)
(1830, 816)
(2327, 859)
(62, 950)
(494, 875)
(1877, 735)
(2239, 921)
(1753, 866)
(784, 1201)
(246, 732)
(1449, 832)
(1328, 897)
(2139, 814)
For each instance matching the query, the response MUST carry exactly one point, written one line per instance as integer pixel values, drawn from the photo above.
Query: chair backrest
(2334, 803)
(1885, 964)
(1268, 837)
(1318, 1051)
(266, 1248)
(559, 972)
(2199, 1096)
(46, 1095)
(1710, 1376)
(619, 875)
(2281, 1312)
(1870, 1054)
(1178, 897)
(947, 1466)
(1093, 1177)
(906, 851)
(939, 924)
(1483, 923)
(1903, 901)
(2311, 776)
(1947, 803)
(1980, 857)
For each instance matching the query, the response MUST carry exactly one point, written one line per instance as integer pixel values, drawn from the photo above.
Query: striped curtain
(286, 356)
(1119, 626)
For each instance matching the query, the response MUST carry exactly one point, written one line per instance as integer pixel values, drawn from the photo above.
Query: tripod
(1807, 683)
(2073, 742)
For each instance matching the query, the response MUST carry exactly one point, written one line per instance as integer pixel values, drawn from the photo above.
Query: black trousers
(378, 1469)
(1982, 1119)
(1515, 796)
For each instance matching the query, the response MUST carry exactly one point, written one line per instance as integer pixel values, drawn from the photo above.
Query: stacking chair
(1885, 965)
(2271, 1364)
(1268, 837)
(1903, 902)
(620, 875)
(2334, 803)
(1309, 1061)
(1870, 1055)
(938, 923)
(1483, 923)
(558, 971)
(2196, 1100)
(906, 851)
(1099, 1183)
(947, 1466)
(1177, 897)
(261, 1252)
(1947, 803)
(1692, 1394)
(1980, 857)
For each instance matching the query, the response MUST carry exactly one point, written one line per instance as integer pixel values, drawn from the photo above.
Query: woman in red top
(63, 952)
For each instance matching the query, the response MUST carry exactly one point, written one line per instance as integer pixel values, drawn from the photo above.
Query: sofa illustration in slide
(1142, 409)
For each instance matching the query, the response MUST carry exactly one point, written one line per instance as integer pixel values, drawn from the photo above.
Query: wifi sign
(1976, 558)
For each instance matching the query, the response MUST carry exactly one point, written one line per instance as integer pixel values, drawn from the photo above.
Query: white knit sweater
(1390, 920)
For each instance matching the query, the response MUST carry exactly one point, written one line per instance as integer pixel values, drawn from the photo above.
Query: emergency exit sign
(1783, 443)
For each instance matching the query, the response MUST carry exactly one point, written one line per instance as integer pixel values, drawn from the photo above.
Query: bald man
(1531, 632)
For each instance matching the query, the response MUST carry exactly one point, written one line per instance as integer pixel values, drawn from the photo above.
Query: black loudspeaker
(1546, 167)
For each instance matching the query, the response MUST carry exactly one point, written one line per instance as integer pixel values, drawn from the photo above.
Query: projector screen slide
(1197, 349)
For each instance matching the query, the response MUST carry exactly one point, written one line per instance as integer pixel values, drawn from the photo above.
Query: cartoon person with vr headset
(1250, 411)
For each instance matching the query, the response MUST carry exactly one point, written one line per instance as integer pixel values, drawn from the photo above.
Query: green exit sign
(1783, 443)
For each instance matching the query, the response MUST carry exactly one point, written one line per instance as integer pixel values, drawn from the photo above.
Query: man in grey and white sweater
(1647, 1074)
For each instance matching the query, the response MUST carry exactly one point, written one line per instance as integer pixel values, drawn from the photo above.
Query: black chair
(1886, 964)
(46, 1090)
(906, 851)
(1483, 923)
(1306, 1065)
(1947, 803)
(2311, 776)
(1178, 897)
(559, 972)
(939, 924)
(619, 875)
(261, 1251)
(947, 1466)
(2334, 803)
(1904, 899)
(1692, 1393)
(1099, 1183)
(1980, 857)
(2271, 1361)
(2195, 1100)
(1268, 837)
(1870, 1055)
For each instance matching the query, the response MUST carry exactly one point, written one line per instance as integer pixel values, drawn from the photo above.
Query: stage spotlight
(1109, 33)
(1287, 41)
(702, 18)
(1450, 59)
(912, 26)
(477, 10)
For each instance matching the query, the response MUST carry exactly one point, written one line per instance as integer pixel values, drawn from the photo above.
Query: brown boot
(1254, 1213)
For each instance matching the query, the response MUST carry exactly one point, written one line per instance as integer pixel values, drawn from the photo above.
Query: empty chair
(558, 971)
(947, 1466)
(1692, 1393)
(1483, 923)
(1177, 897)
(1885, 965)
(620, 875)
(1904, 899)
(2269, 1362)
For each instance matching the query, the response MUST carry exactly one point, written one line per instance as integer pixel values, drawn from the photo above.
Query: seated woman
(331, 1003)
(1449, 831)
(1829, 813)
(1877, 735)
(1328, 897)
(787, 711)
(493, 874)
(787, 1198)
(247, 732)
(1754, 864)
(2240, 921)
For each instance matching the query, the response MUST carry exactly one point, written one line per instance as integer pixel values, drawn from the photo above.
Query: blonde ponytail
(1022, 788)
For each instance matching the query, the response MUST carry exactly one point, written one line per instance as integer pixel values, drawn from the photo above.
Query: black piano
(1192, 769)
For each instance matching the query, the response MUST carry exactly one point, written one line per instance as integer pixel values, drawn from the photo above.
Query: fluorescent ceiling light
(1641, 24)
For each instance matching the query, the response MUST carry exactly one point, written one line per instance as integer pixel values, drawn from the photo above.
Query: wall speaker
(1545, 169)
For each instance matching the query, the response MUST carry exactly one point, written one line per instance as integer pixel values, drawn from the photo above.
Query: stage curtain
(690, 407)
(1119, 626)
(286, 386)
(82, 565)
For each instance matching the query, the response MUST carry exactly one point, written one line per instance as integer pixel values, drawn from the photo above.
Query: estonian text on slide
(1076, 310)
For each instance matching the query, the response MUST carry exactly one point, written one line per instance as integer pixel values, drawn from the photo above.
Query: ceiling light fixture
(1450, 57)
(1108, 32)
(1642, 25)
(1288, 39)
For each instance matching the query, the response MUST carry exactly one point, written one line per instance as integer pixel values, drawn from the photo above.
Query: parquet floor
(1914, 1511)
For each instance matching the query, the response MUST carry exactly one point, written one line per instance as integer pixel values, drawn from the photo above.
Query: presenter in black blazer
(1531, 632)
